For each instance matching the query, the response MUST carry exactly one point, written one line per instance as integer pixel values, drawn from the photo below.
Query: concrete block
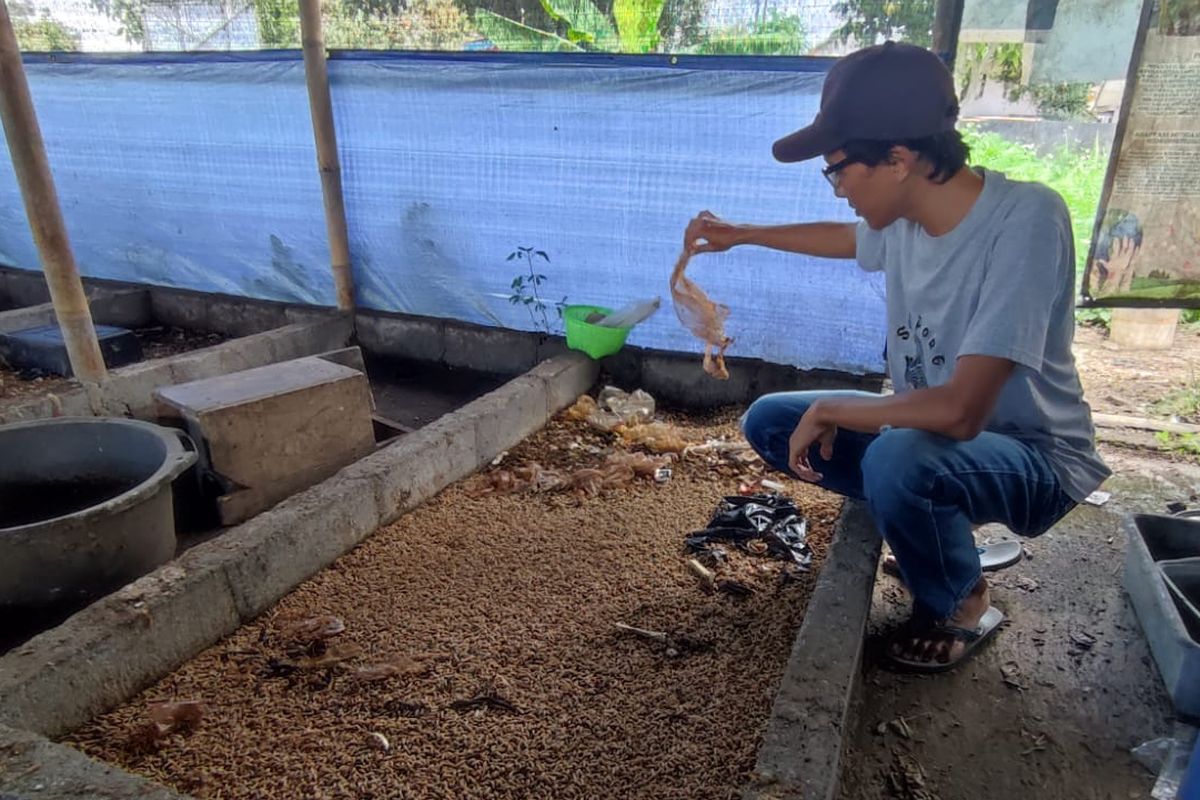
(495, 350)
(240, 316)
(282, 547)
(306, 339)
(419, 465)
(125, 309)
(114, 648)
(549, 347)
(567, 376)
(507, 415)
(681, 380)
(130, 390)
(27, 287)
(19, 319)
(408, 338)
(33, 766)
(180, 309)
(306, 314)
(801, 749)
(782, 378)
(271, 431)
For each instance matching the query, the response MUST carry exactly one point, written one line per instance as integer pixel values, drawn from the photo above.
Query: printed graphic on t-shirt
(920, 342)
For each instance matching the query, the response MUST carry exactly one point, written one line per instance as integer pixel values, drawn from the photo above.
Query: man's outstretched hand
(708, 233)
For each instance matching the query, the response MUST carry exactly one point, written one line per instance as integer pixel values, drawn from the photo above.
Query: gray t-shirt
(1001, 284)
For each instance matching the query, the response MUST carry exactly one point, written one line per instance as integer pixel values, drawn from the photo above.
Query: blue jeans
(924, 491)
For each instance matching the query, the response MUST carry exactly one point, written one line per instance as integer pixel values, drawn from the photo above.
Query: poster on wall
(1146, 244)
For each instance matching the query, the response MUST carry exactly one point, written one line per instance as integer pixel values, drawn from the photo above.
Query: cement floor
(1051, 707)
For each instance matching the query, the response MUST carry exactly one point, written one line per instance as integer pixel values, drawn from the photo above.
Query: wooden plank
(1143, 424)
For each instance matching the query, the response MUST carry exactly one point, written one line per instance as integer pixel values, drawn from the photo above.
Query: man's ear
(902, 162)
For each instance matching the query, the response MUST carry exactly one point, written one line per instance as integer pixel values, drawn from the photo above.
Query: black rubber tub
(85, 506)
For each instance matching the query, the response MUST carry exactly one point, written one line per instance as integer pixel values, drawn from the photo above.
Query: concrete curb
(108, 652)
(801, 749)
(32, 766)
(128, 308)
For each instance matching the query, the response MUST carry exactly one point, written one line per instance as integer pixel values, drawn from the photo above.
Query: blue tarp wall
(198, 171)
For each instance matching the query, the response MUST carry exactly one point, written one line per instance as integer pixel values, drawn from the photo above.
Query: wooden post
(321, 107)
(947, 23)
(41, 207)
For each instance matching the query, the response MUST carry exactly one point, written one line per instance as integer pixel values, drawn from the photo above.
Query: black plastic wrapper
(770, 517)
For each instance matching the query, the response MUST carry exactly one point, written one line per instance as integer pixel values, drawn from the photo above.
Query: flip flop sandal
(972, 639)
(992, 557)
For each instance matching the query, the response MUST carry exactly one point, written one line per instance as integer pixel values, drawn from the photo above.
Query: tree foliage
(870, 21)
(41, 33)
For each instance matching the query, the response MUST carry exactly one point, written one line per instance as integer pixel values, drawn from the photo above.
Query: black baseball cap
(888, 92)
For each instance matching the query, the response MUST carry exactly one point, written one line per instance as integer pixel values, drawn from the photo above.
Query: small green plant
(1182, 403)
(1096, 317)
(526, 289)
(1184, 443)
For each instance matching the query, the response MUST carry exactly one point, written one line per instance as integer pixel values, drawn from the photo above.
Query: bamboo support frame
(28, 153)
(321, 107)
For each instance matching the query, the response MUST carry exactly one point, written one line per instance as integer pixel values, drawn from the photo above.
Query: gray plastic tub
(1162, 577)
(85, 506)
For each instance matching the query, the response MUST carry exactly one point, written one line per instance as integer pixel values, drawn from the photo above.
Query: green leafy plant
(527, 286)
(1182, 403)
(869, 21)
(1184, 443)
(632, 28)
(778, 35)
(980, 62)
(1076, 173)
(41, 33)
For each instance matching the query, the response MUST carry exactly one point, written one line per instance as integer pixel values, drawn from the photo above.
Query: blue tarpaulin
(198, 171)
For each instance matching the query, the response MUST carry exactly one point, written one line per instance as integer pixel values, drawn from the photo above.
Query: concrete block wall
(673, 378)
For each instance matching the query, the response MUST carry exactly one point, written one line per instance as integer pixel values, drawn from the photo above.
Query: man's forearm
(824, 239)
(936, 410)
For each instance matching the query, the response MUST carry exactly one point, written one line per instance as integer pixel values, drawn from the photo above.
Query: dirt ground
(157, 342)
(1052, 706)
(1137, 382)
(500, 611)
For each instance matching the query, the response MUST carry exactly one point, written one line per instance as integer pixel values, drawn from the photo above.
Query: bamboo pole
(321, 107)
(41, 207)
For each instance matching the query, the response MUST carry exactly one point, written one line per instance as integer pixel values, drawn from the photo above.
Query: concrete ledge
(801, 749)
(108, 652)
(679, 378)
(25, 287)
(32, 766)
(403, 337)
(128, 309)
(115, 647)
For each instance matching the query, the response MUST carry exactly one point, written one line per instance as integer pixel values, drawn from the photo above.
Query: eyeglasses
(832, 172)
